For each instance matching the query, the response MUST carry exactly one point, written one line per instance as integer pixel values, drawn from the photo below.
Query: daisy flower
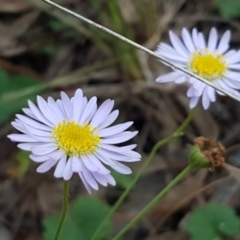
(76, 136)
(209, 59)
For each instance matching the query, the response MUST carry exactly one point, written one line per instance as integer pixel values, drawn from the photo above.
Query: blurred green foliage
(15, 91)
(213, 221)
(228, 8)
(83, 218)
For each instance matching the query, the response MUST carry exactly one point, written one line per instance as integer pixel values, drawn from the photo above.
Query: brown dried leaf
(14, 6)
(9, 45)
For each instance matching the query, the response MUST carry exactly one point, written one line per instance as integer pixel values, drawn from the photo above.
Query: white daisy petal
(77, 165)
(224, 42)
(100, 178)
(122, 137)
(187, 40)
(46, 166)
(85, 183)
(58, 173)
(37, 158)
(33, 123)
(169, 77)
(206, 58)
(90, 179)
(68, 172)
(201, 41)
(205, 99)
(121, 168)
(177, 44)
(193, 102)
(68, 134)
(213, 38)
(115, 129)
(88, 110)
(21, 138)
(109, 119)
(102, 113)
(44, 149)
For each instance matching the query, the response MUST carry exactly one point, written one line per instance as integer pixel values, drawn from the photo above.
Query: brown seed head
(213, 151)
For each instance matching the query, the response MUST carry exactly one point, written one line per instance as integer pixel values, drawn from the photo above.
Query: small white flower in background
(209, 59)
(73, 134)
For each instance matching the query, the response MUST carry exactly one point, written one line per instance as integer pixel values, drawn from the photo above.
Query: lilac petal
(224, 42)
(67, 172)
(77, 164)
(100, 178)
(44, 149)
(44, 167)
(205, 99)
(97, 162)
(37, 132)
(102, 113)
(119, 167)
(90, 179)
(122, 137)
(67, 105)
(201, 41)
(33, 123)
(195, 37)
(211, 94)
(109, 119)
(21, 138)
(113, 155)
(187, 40)
(177, 44)
(38, 114)
(85, 183)
(45, 110)
(193, 102)
(234, 58)
(54, 107)
(37, 158)
(88, 110)
(19, 126)
(114, 129)
(89, 164)
(29, 113)
(212, 41)
(77, 105)
(169, 77)
(58, 173)
(27, 146)
(110, 179)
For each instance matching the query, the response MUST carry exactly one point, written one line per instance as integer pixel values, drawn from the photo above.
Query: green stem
(64, 209)
(173, 183)
(156, 147)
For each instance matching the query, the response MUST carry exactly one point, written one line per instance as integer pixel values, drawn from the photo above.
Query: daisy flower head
(75, 135)
(210, 59)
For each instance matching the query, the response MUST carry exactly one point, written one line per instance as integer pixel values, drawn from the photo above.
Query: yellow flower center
(74, 139)
(208, 66)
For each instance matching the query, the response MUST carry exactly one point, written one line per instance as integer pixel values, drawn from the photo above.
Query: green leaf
(212, 222)
(23, 161)
(83, 218)
(228, 8)
(15, 91)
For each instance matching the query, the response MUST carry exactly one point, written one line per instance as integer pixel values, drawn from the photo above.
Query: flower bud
(206, 152)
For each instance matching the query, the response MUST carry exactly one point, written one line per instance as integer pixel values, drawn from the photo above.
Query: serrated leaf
(83, 218)
(228, 8)
(213, 221)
